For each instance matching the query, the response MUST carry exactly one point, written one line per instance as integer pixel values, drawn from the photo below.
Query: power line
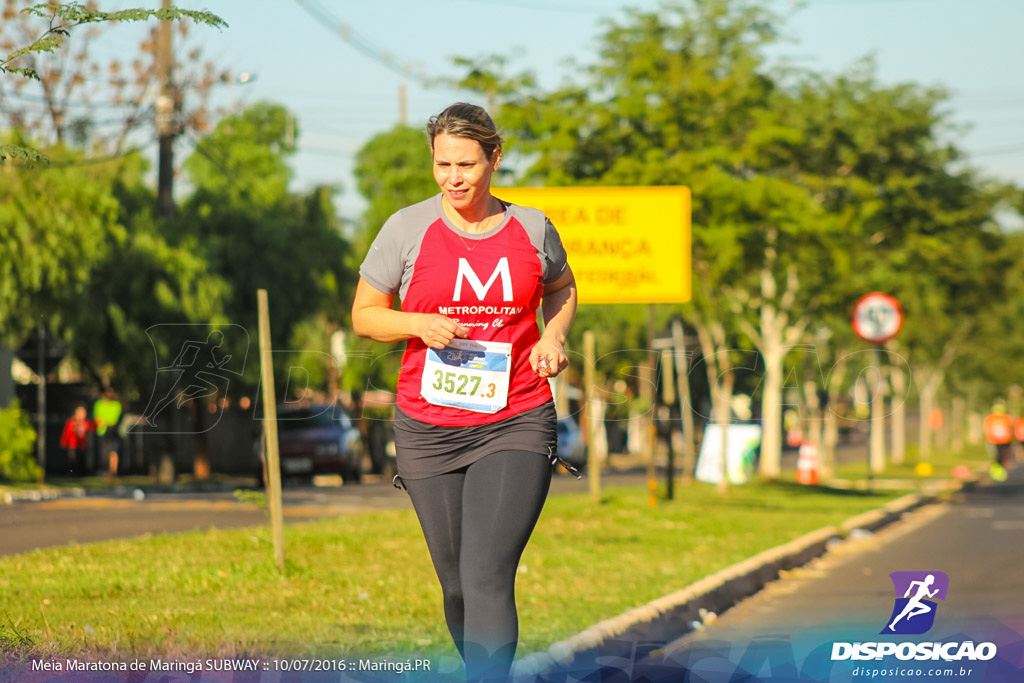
(999, 151)
(589, 8)
(361, 44)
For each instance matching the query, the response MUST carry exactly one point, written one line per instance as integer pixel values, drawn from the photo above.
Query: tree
(83, 258)
(37, 56)
(913, 225)
(16, 440)
(808, 191)
(255, 234)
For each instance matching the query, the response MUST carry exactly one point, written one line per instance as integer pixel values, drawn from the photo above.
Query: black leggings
(476, 521)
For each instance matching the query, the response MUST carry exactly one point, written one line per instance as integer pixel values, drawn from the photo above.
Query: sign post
(877, 318)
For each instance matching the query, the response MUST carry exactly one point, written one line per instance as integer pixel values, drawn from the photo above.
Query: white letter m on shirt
(467, 273)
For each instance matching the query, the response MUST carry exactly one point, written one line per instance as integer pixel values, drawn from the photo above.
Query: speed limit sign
(877, 317)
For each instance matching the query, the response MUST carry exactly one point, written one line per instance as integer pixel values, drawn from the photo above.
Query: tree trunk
(898, 382)
(956, 423)
(877, 446)
(720, 375)
(975, 429)
(771, 413)
(926, 398)
(831, 437)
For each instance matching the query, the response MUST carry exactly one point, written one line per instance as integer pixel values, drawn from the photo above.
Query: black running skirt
(425, 450)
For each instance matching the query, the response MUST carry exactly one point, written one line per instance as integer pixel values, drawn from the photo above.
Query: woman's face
(463, 171)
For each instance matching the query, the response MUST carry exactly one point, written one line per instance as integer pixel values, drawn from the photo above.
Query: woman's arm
(558, 307)
(374, 317)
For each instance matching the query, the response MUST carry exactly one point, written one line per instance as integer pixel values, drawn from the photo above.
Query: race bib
(468, 374)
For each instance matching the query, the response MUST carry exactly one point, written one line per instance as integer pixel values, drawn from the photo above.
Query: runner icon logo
(916, 592)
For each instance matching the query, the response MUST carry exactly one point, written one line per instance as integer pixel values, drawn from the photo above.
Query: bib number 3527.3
(468, 374)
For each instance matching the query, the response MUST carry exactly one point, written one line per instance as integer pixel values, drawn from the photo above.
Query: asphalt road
(787, 631)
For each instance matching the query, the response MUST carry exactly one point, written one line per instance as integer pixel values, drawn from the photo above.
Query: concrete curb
(671, 616)
(119, 490)
(36, 495)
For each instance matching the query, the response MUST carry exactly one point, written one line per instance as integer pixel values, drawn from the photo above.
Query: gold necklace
(485, 223)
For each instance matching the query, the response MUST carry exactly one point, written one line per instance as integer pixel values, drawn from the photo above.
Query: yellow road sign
(625, 244)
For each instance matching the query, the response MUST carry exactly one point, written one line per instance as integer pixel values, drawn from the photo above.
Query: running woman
(475, 422)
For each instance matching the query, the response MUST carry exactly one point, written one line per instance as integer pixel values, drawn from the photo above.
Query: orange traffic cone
(807, 464)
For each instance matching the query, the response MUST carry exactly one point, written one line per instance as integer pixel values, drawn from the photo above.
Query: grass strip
(363, 585)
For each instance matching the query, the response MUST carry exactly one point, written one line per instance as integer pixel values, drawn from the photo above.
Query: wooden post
(593, 465)
(273, 462)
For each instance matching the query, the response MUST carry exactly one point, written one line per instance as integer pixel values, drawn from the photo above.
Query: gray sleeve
(388, 265)
(383, 265)
(555, 259)
(545, 239)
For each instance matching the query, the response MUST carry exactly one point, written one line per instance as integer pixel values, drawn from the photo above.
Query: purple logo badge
(914, 611)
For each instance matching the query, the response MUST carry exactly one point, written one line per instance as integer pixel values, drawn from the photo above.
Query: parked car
(318, 439)
(570, 443)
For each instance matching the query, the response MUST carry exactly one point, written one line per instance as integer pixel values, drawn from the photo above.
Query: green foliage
(243, 163)
(17, 443)
(250, 497)
(64, 17)
(55, 225)
(248, 228)
(392, 171)
(26, 155)
(15, 643)
(81, 253)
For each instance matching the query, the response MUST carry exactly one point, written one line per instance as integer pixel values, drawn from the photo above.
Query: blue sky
(342, 95)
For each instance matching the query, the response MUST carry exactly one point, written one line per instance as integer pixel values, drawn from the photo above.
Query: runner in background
(1018, 435)
(998, 427)
(106, 413)
(474, 422)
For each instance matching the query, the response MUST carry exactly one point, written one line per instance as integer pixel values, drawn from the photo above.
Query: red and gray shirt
(490, 283)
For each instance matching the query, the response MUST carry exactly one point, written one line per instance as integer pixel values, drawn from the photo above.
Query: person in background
(106, 413)
(75, 439)
(475, 423)
(1018, 435)
(998, 428)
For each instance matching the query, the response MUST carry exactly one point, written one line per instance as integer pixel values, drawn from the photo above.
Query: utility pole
(41, 400)
(167, 108)
(403, 104)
